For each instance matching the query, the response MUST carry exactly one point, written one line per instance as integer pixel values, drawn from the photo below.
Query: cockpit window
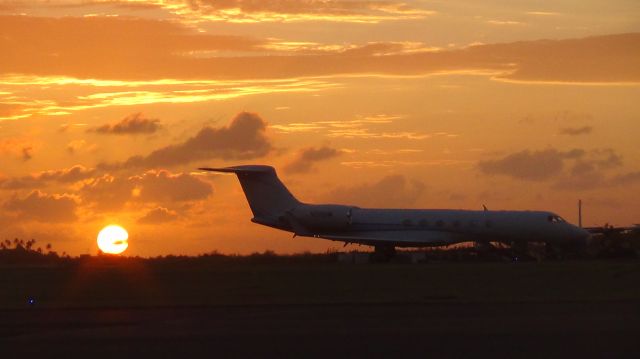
(555, 219)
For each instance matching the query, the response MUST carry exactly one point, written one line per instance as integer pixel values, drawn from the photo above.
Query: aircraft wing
(610, 229)
(373, 240)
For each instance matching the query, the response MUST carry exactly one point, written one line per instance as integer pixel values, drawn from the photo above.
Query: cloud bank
(244, 138)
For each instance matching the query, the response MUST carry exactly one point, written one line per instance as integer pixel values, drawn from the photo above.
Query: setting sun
(113, 239)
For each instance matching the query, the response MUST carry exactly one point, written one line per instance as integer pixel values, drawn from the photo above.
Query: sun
(112, 239)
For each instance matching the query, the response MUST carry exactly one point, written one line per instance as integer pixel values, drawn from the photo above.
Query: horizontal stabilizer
(237, 169)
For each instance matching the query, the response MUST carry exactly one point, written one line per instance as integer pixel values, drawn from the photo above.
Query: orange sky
(107, 107)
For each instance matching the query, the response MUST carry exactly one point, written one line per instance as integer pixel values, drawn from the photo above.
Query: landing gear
(520, 252)
(383, 253)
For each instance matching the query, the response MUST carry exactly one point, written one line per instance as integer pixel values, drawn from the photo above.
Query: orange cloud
(112, 192)
(67, 175)
(158, 215)
(43, 207)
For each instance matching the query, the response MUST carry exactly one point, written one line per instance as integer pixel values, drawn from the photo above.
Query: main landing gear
(383, 253)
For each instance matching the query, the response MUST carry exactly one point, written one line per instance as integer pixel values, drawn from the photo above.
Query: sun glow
(112, 239)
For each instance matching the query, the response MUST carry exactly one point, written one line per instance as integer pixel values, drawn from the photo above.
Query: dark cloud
(110, 192)
(43, 207)
(27, 153)
(528, 165)
(576, 169)
(390, 191)
(65, 175)
(576, 131)
(158, 215)
(626, 179)
(133, 124)
(309, 156)
(244, 138)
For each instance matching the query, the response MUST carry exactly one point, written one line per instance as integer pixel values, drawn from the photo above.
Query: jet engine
(323, 218)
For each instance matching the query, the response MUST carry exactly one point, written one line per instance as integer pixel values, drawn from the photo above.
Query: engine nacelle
(324, 217)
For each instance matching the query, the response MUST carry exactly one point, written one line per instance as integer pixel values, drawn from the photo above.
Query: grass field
(136, 283)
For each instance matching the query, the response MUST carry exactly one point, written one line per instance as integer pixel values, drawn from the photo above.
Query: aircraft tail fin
(267, 195)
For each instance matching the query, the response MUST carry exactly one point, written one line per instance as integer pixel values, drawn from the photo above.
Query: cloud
(158, 215)
(133, 124)
(108, 192)
(66, 175)
(357, 11)
(309, 156)
(162, 186)
(390, 191)
(593, 171)
(244, 138)
(43, 207)
(626, 179)
(138, 49)
(76, 146)
(576, 169)
(528, 165)
(576, 131)
(27, 153)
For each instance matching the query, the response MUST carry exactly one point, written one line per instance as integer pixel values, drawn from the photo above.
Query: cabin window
(423, 223)
(407, 223)
(440, 223)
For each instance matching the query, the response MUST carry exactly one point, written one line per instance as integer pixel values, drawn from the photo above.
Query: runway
(541, 329)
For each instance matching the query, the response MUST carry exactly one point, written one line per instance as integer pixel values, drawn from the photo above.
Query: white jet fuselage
(428, 227)
(273, 205)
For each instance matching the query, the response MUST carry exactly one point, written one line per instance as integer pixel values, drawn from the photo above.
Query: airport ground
(190, 308)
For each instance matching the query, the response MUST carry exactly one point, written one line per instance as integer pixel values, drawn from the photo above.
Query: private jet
(385, 229)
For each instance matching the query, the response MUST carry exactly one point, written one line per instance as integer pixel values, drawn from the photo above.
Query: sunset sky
(107, 107)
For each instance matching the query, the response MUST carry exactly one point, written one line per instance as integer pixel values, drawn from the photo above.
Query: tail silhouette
(268, 197)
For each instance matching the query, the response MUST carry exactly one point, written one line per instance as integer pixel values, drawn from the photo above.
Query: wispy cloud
(543, 13)
(239, 11)
(576, 131)
(52, 96)
(505, 22)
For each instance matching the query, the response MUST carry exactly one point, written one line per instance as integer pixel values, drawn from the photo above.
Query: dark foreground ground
(137, 309)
